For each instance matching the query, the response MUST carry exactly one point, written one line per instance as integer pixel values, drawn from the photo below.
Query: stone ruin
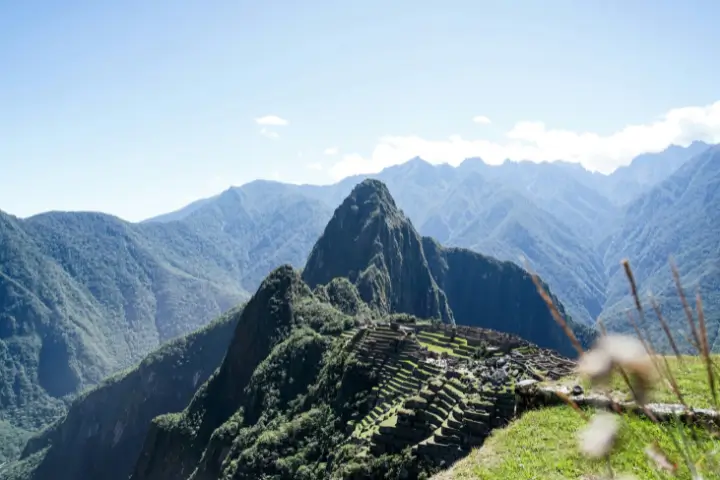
(441, 390)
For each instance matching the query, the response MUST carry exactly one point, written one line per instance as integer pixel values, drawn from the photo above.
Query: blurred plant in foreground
(635, 360)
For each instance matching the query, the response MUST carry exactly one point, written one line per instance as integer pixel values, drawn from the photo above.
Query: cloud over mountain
(538, 142)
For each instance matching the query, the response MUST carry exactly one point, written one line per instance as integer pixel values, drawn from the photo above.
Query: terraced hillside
(440, 390)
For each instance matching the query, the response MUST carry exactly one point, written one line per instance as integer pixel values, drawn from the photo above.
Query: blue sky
(139, 107)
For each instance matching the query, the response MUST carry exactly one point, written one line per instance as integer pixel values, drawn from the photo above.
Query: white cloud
(481, 119)
(534, 141)
(269, 133)
(331, 151)
(314, 166)
(272, 120)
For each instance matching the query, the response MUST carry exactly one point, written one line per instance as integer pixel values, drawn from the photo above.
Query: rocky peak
(371, 242)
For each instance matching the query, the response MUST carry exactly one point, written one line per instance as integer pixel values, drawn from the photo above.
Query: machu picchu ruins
(441, 389)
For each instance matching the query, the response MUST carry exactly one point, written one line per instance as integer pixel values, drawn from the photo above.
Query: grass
(439, 342)
(690, 374)
(391, 421)
(437, 348)
(543, 445)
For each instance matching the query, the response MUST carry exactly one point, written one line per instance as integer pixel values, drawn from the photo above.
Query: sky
(139, 107)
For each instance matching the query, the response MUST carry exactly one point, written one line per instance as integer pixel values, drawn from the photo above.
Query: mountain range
(290, 376)
(83, 295)
(565, 222)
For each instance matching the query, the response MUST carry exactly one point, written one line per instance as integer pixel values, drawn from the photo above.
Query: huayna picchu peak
(371, 242)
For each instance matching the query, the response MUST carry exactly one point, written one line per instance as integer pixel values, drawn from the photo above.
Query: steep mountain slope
(277, 344)
(83, 295)
(371, 242)
(108, 424)
(34, 294)
(489, 293)
(563, 189)
(679, 218)
(646, 171)
(492, 219)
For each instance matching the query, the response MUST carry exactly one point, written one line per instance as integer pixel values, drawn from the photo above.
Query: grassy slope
(543, 444)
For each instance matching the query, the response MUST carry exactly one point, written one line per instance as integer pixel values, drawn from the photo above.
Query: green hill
(108, 423)
(84, 295)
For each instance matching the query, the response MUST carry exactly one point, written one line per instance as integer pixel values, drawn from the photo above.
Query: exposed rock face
(371, 242)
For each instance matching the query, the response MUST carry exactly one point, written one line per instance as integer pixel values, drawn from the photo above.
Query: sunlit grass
(690, 374)
(543, 444)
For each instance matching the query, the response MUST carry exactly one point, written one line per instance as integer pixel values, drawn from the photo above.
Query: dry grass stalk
(640, 377)
(686, 306)
(554, 311)
(665, 372)
(633, 285)
(706, 351)
(666, 329)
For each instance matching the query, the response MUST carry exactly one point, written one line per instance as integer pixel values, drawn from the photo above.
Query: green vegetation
(109, 422)
(543, 444)
(85, 295)
(572, 441)
(690, 373)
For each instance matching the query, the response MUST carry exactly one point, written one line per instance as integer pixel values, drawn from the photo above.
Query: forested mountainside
(678, 218)
(288, 338)
(310, 390)
(83, 295)
(108, 424)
